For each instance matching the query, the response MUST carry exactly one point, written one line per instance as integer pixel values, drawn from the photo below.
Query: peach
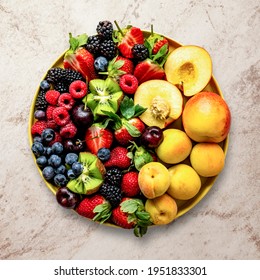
(162, 209)
(153, 179)
(175, 147)
(208, 159)
(206, 117)
(164, 102)
(189, 68)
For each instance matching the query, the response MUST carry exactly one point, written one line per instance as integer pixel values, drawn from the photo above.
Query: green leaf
(127, 107)
(132, 130)
(118, 64)
(139, 110)
(73, 43)
(143, 215)
(103, 212)
(117, 120)
(129, 206)
(162, 52)
(82, 39)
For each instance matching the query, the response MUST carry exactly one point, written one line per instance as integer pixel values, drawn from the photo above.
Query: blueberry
(57, 148)
(101, 64)
(60, 170)
(37, 149)
(41, 161)
(103, 154)
(37, 139)
(71, 174)
(48, 135)
(60, 180)
(71, 158)
(45, 85)
(48, 173)
(77, 168)
(39, 115)
(54, 161)
(48, 151)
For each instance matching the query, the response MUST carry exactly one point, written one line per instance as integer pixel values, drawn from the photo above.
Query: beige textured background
(225, 225)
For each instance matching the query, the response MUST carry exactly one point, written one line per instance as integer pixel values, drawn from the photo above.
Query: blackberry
(112, 193)
(55, 75)
(71, 76)
(140, 52)
(61, 87)
(114, 176)
(105, 29)
(41, 103)
(108, 49)
(93, 44)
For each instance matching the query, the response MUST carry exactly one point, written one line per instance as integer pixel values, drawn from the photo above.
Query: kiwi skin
(105, 95)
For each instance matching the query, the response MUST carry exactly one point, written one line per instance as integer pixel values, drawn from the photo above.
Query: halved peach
(189, 68)
(163, 100)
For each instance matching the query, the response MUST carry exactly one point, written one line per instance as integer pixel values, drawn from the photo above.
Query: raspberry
(57, 138)
(52, 96)
(65, 100)
(52, 124)
(49, 112)
(61, 116)
(128, 83)
(78, 89)
(68, 131)
(38, 127)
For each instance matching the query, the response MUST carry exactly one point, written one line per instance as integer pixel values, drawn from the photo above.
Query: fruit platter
(129, 128)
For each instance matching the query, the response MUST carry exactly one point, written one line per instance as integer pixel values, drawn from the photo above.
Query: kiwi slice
(91, 177)
(105, 95)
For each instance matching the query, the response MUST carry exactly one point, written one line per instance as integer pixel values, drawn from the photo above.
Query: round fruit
(163, 102)
(82, 116)
(48, 135)
(206, 118)
(152, 137)
(67, 198)
(74, 146)
(175, 147)
(101, 64)
(208, 159)
(185, 182)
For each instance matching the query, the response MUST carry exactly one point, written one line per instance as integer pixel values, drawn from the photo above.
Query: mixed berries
(88, 139)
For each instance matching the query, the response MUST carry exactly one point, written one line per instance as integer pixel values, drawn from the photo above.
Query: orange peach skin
(206, 118)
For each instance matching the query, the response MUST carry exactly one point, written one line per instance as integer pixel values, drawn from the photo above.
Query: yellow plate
(207, 183)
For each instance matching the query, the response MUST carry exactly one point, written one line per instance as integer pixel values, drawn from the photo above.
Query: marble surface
(225, 225)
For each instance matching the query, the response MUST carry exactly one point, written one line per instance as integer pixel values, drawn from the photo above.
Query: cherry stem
(119, 29)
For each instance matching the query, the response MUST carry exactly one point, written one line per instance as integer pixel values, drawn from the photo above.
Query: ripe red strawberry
(148, 70)
(79, 59)
(158, 44)
(128, 130)
(120, 218)
(128, 83)
(128, 65)
(97, 137)
(127, 38)
(118, 158)
(52, 96)
(38, 127)
(129, 184)
(95, 207)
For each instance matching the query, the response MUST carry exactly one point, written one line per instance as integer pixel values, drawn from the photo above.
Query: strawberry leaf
(139, 110)
(127, 107)
(161, 53)
(103, 212)
(130, 206)
(132, 130)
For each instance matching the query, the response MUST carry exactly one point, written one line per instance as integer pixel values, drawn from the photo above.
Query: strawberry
(79, 59)
(119, 66)
(131, 214)
(128, 126)
(118, 158)
(157, 46)
(95, 207)
(129, 184)
(148, 70)
(127, 38)
(98, 137)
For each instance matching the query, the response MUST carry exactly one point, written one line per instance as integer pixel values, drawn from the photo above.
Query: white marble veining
(224, 225)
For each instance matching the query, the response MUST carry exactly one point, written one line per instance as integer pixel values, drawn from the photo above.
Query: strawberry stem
(152, 29)
(118, 27)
